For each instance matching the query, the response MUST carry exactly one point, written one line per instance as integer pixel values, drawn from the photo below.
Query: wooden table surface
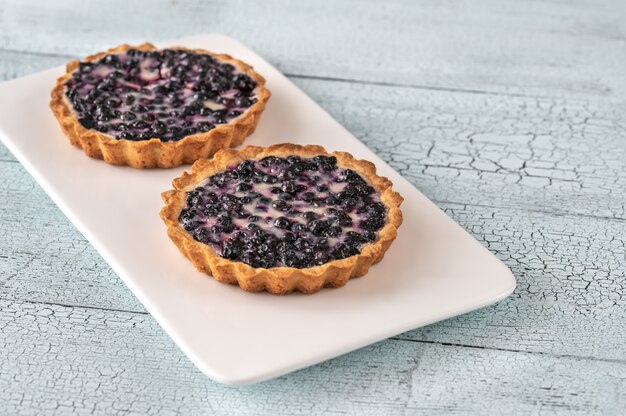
(510, 115)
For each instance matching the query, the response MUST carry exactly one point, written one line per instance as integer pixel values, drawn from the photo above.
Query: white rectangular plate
(433, 271)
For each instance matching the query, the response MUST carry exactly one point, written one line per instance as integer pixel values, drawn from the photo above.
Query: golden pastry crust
(154, 153)
(279, 280)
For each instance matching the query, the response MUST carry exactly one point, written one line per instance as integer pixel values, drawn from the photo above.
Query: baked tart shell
(279, 280)
(154, 153)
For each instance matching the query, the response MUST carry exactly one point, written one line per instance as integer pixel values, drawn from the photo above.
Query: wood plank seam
(482, 347)
(394, 338)
(419, 86)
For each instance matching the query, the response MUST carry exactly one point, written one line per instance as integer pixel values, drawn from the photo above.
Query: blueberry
(292, 160)
(333, 231)
(290, 259)
(325, 160)
(201, 235)
(158, 128)
(285, 196)
(313, 167)
(362, 189)
(190, 225)
(86, 122)
(231, 249)
(139, 124)
(129, 100)
(173, 86)
(227, 227)
(226, 102)
(343, 219)
(350, 176)
(228, 197)
(318, 227)
(129, 116)
(346, 193)
(210, 210)
(253, 218)
(270, 179)
(299, 228)
(320, 258)
(139, 108)
(176, 103)
(226, 68)
(289, 187)
(350, 202)
(253, 227)
(310, 216)
(344, 250)
(308, 196)
(321, 244)
(85, 67)
(204, 126)
(80, 106)
(275, 190)
(355, 239)
(377, 207)
(245, 167)
(106, 86)
(301, 244)
(242, 187)
(205, 111)
(284, 247)
(263, 249)
(113, 103)
(243, 102)
(174, 131)
(190, 111)
(282, 222)
(372, 223)
(111, 60)
(244, 83)
(281, 205)
(287, 174)
(251, 259)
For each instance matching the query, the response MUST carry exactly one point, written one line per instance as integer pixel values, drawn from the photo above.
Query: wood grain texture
(570, 271)
(510, 115)
(553, 154)
(60, 360)
(548, 47)
(550, 154)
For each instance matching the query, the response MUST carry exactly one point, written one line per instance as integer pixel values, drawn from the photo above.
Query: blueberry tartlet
(146, 107)
(283, 218)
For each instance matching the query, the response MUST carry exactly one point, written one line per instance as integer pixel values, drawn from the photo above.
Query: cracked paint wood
(549, 47)
(556, 155)
(562, 155)
(60, 360)
(509, 115)
(570, 272)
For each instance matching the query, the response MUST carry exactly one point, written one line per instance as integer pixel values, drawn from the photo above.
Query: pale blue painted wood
(509, 115)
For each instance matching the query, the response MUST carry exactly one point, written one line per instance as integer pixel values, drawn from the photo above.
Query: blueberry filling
(274, 212)
(168, 94)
